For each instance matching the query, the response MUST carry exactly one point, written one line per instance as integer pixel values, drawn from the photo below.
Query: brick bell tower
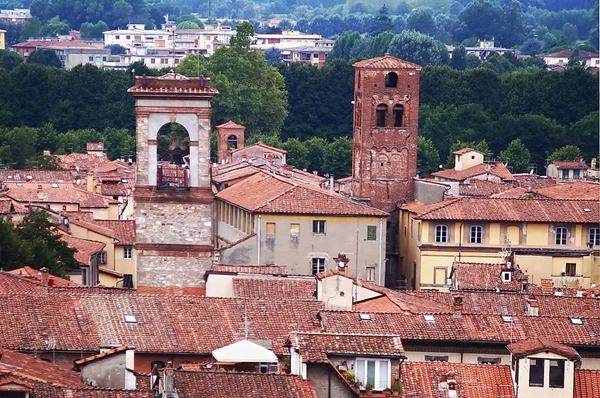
(174, 236)
(386, 124)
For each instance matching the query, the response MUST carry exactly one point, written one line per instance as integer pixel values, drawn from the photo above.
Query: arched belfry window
(381, 115)
(391, 80)
(232, 142)
(398, 115)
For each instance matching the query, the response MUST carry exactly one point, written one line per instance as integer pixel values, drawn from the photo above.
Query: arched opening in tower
(172, 153)
(232, 142)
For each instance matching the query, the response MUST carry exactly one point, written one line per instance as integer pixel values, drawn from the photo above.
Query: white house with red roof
(561, 58)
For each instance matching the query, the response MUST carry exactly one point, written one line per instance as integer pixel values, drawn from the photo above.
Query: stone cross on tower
(174, 235)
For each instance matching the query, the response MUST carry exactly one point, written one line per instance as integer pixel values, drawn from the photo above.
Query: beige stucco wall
(524, 391)
(344, 235)
(81, 232)
(126, 265)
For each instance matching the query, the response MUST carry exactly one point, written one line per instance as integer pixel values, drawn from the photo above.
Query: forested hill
(49, 108)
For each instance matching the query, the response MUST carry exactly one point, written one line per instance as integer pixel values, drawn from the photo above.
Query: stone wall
(174, 223)
(158, 268)
(327, 382)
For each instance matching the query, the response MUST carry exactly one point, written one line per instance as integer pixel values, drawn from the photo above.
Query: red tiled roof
(314, 347)
(85, 248)
(531, 181)
(567, 53)
(540, 344)
(260, 144)
(43, 192)
(10, 283)
(483, 188)
(465, 150)
(386, 62)
(231, 125)
(248, 385)
(497, 169)
(52, 43)
(268, 194)
(235, 174)
(483, 276)
(122, 230)
(405, 301)
(34, 275)
(82, 161)
(423, 380)
(513, 193)
(6, 206)
(501, 209)
(101, 355)
(587, 383)
(250, 269)
(36, 175)
(574, 190)
(571, 164)
(275, 288)
(80, 319)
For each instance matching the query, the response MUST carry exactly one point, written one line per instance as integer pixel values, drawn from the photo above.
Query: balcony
(172, 177)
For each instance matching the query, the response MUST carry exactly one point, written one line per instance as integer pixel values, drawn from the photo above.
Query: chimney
(44, 278)
(547, 286)
(457, 305)
(593, 163)
(533, 307)
(331, 188)
(91, 183)
(587, 306)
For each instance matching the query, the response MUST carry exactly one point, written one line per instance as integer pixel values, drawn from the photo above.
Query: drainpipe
(258, 241)
(380, 249)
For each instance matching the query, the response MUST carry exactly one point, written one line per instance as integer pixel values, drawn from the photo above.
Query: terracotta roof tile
(250, 269)
(33, 274)
(567, 53)
(43, 192)
(262, 145)
(81, 162)
(53, 43)
(94, 146)
(574, 190)
(231, 125)
(36, 175)
(465, 150)
(275, 288)
(540, 344)
(101, 355)
(386, 62)
(85, 248)
(483, 188)
(483, 276)
(497, 169)
(10, 283)
(122, 230)
(268, 194)
(423, 380)
(587, 383)
(247, 385)
(6, 206)
(501, 209)
(513, 193)
(315, 347)
(532, 181)
(571, 164)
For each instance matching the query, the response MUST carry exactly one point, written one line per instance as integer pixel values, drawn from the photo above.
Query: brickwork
(386, 122)
(224, 132)
(174, 233)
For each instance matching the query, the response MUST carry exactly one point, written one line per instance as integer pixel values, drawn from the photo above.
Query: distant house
(469, 165)
(561, 58)
(70, 52)
(486, 48)
(571, 170)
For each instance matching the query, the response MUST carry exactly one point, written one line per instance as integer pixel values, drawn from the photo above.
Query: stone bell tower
(174, 236)
(386, 124)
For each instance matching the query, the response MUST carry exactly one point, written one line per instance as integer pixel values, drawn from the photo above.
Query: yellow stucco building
(558, 239)
(2, 39)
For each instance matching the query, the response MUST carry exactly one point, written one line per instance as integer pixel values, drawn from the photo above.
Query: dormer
(543, 368)
(467, 157)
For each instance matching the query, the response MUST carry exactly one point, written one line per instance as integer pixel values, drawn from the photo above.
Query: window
(371, 274)
(127, 37)
(489, 361)
(102, 258)
(128, 252)
(315, 55)
(576, 321)
(371, 232)
(391, 80)
(117, 37)
(561, 236)
(104, 59)
(441, 233)
(595, 236)
(129, 318)
(374, 371)
(158, 364)
(398, 116)
(575, 174)
(232, 142)
(557, 373)
(91, 59)
(318, 265)
(571, 269)
(294, 230)
(271, 230)
(98, 58)
(565, 173)
(429, 318)
(152, 60)
(318, 226)
(536, 372)
(381, 115)
(476, 234)
(506, 276)
(507, 318)
(436, 358)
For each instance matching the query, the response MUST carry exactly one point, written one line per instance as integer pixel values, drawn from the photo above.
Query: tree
(93, 31)
(421, 20)
(459, 58)
(42, 162)
(188, 25)
(46, 249)
(31, 28)
(342, 49)
(417, 48)
(45, 57)
(9, 60)
(297, 155)
(531, 47)
(116, 49)
(381, 22)
(513, 29)
(316, 150)
(428, 157)
(585, 135)
(569, 33)
(337, 159)
(55, 27)
(481, 18)
(517, 156)
(273, 55)
(567, 152)
(243, 37)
